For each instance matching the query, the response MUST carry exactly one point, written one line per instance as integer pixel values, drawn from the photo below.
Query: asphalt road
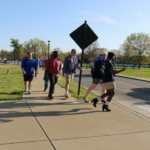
(132, 95)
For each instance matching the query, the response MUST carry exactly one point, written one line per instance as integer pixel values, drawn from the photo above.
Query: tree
(17, 48)
(139, 43)
(93, 50)
(36, 46)
(125, 53)
(3, 53)
(116, 52)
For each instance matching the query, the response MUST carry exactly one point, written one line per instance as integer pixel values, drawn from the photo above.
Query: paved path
(36, 123)
(130, 93)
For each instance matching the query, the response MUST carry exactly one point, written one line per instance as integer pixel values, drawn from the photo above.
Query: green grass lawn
(143, 72)
(11, 85)
(74, 90)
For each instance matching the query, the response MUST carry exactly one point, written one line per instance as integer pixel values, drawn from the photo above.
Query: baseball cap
(74, 51)
(103, 53)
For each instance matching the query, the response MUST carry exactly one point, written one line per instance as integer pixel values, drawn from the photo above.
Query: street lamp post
(48, 47)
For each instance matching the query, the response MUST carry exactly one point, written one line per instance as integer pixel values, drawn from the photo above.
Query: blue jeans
(46, 83)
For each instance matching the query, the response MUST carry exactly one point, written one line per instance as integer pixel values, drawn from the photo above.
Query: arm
(46, 71)
(116, 72)
(22, 67)
(35, 67)
(60, 68)
(64, 67)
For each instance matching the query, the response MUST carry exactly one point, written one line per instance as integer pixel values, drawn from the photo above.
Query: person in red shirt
(53, 68)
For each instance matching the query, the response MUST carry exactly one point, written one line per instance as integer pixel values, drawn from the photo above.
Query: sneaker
(50, 97)
(68, 96)
(29, 92)
(25, 90)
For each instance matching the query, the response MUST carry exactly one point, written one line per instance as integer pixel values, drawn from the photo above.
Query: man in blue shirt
(70, 66)
(28, 66)
(109, 81)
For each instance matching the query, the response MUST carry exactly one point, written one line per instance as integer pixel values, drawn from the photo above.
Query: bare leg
(110, 93)
(103, 89)
(67, 86)
(25, 83)
(30, 84)
(89, 90)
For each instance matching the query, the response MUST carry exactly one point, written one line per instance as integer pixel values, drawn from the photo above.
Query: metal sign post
(83, 36)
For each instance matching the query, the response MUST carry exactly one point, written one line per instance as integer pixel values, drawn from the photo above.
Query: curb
(129, 77)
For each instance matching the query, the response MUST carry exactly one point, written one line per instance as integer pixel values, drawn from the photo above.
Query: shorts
(110, 85)
(69, 77)
(28, 78)
(97, 81)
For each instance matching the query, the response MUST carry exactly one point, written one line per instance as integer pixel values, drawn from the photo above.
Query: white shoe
(29, 92)
(25, 90)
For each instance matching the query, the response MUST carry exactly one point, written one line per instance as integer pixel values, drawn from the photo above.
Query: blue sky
(54, 20)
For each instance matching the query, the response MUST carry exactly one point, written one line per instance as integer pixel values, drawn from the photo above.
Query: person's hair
(55, 52)
(28, 52)
(111, 55)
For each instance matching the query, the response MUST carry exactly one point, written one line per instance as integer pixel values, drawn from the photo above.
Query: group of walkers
(102, 73)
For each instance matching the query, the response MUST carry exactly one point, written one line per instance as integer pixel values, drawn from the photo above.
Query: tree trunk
(139, 66)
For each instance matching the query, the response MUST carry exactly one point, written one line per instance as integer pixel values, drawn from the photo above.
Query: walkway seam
(24, 142)
(101, 136)
(41, 126)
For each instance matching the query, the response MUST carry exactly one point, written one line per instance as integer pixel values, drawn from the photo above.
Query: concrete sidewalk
(36, 123)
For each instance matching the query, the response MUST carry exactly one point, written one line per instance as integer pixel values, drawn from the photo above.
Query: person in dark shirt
(109, 81)
(96, 75)
(28, 66)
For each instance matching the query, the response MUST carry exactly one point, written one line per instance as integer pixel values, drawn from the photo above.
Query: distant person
(46, 82)
(38, 63)
(109, 81)
(43, 62)
(97, 75)
(53, 68)
(69, 68)
(28, 66)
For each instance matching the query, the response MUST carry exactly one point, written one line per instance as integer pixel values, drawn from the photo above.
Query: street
(132, 95)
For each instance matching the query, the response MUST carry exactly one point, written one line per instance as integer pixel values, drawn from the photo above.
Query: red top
(54, 66)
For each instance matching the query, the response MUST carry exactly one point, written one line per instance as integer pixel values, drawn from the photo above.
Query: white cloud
(139, 14)
(96, 17)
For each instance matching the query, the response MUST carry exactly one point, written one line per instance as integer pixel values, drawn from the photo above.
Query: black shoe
(103, 101)
(105, 107)
(44, 90)
(94, 101)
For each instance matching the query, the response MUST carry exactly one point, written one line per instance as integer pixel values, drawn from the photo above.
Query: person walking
(109, 81)
(38, 63)
(69, 68)
(28, 66)
(53, 68)
(97, 75)
(46, 82)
